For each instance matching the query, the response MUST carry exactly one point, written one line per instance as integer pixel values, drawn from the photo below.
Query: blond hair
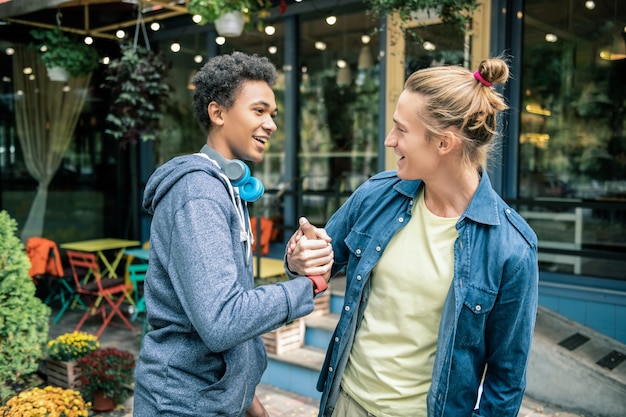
(456, 97)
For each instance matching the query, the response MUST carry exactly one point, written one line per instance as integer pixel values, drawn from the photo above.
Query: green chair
(136, 275)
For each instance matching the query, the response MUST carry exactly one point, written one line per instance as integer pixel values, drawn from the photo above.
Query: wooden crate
(322, 304)
(60, 373)
(285, 338)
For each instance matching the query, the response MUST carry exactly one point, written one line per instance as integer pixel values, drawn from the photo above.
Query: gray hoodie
(204, 355)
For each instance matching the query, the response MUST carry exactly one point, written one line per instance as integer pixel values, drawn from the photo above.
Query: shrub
(72, 346)
(23, 316)
(44, 402)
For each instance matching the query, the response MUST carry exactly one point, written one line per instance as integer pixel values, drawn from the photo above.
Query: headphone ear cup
(252, 190)
(237, 172)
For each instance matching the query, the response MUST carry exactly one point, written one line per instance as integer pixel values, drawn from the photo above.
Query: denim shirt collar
(482, 207)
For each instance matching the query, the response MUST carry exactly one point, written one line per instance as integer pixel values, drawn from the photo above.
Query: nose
(269, 124)
(390, 140)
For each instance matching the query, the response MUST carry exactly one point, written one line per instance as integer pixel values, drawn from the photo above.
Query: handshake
(309, 251)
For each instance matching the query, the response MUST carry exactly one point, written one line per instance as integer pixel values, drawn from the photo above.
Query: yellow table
(99, 246)
(269, 267)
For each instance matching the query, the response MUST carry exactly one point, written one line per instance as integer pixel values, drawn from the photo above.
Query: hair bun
(494, 70)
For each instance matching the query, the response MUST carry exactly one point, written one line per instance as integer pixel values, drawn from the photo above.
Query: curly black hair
(221, 78)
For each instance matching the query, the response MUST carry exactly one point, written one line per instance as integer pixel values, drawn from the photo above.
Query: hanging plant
(58, 50)
(211, 10)
(137, 82)
(455, 12)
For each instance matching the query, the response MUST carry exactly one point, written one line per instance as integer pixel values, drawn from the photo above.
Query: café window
(572, 143)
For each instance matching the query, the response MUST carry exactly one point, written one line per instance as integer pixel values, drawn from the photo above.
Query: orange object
(267, 227)
(44, 257)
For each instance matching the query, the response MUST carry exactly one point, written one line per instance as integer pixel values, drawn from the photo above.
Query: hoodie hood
(168, 174)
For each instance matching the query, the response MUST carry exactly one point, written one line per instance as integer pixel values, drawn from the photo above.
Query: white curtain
(46, 117)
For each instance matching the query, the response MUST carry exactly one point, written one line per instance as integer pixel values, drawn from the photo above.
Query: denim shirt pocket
(473, 318)
(356, 242)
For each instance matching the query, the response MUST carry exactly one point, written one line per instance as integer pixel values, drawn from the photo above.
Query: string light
(155, 26)
(331, 20)
(175, 47)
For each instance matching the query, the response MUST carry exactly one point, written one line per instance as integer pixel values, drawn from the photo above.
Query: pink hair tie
(481, 79)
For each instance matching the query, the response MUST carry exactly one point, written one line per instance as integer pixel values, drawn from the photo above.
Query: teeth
(264, 140)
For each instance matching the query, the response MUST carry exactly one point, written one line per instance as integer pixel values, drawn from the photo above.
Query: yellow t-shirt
(389, 370)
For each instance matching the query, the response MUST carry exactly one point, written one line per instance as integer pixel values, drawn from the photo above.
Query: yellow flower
(72, 346)
(46, 402)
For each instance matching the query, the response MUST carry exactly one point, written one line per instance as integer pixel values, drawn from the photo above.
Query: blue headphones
(250, 188)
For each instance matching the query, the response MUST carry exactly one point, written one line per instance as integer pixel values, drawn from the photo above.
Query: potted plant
(105, 374)
(46, 401)
(456, 12)
(63, 55)
(231, 17)
(136, 82)
(62, 354)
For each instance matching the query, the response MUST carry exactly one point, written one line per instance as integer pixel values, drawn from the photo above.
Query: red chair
(104, 295)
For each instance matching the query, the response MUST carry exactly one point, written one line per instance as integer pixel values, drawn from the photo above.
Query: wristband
(319, 284)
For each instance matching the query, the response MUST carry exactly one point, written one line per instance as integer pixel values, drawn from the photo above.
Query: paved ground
(279, 403)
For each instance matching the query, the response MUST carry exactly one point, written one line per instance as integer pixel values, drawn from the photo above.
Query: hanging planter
(246, 13)
(230, 24)
(58, 74)
(59, 50)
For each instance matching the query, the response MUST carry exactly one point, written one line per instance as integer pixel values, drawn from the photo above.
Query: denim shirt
(489, 313)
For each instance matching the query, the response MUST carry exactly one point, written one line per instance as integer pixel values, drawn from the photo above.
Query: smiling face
(419, 155)
(243, 130)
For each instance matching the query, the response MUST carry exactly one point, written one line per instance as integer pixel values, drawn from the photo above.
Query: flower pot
(230, 24)
(58, 74)
(101, 402)
(61, 373)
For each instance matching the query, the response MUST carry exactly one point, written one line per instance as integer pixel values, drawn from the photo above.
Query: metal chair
(136, 275)
(105, 296)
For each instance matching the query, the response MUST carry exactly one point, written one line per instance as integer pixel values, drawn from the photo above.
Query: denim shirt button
(478, 307)
(401, 219)
(378, 248)
(508, 211)
(347, 308)
(336, 339)
(330, 369)
(358, 277)
(358, 251)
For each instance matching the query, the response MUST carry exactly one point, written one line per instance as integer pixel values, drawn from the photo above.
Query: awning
(98, 18)
(10, 8)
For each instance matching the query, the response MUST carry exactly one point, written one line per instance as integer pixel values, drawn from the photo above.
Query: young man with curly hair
(204, 355)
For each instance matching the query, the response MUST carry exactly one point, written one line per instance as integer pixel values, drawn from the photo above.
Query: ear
(216, 113)
(447, 142)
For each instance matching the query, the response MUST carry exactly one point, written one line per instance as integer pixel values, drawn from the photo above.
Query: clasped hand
(309, 251)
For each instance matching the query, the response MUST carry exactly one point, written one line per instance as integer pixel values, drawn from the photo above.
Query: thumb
(307, 228)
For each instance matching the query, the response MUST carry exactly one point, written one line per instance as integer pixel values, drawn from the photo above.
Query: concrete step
(296, 370)
(320, 329)
(576, 367)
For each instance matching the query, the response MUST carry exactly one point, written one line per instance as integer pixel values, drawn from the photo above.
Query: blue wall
(594, 302)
